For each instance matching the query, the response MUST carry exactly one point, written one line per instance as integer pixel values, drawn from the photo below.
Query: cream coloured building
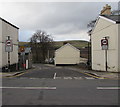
(8, 29)
(106, 26)
(67, 54)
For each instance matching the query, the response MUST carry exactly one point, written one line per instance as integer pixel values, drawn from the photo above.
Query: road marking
(40, 68)
(108, 88)
(58, 77)
(67, 77)
(15, 75)
(33, 78)
(54, 76)
(77, 78)
(91, 75)
(31, 88)
(89, 78)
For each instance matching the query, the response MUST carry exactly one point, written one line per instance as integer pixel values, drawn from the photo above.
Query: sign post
(104, 45)
(22, 50)
(8, 48)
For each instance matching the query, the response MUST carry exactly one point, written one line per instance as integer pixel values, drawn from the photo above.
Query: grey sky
(63, 20)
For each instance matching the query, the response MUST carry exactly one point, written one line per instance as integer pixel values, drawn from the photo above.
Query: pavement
(9, 74)
(101, 74)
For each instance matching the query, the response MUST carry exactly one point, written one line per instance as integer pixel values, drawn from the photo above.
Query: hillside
(57, 44)
(76, 43)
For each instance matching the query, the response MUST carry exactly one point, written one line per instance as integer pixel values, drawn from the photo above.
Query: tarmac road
(49, 85)
(53, 72)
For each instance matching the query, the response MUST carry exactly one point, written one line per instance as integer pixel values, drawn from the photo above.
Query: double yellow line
(93, 75)
(16, 75)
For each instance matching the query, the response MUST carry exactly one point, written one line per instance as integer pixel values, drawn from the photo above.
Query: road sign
(104, 44)
(8, 46)
(22, 48)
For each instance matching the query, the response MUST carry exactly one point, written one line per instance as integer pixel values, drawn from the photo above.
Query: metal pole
(106, 59)
(8, 57)
(8, 61)
(106, 56)
(23, 61)
(88, 55)
(48, 56)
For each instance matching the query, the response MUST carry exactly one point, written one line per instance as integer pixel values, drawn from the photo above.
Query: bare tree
(91, 24)
(40, 43)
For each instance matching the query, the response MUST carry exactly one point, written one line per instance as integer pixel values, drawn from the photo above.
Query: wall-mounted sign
(104, 44)
(22, 48)
(8, 46)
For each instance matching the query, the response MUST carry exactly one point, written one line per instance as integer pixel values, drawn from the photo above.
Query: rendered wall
(102, 29)
(119, 47)
(0, 44)
(8, 30)
(67, 55)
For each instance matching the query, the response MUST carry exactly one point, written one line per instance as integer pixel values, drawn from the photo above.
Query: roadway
(50, 85)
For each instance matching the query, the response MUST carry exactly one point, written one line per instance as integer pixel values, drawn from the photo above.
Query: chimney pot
(106, 10)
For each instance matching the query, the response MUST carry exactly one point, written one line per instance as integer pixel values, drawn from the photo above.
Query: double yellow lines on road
(15, 75)
(94, 76)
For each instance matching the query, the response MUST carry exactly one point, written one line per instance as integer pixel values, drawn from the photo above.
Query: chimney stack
(106, 10)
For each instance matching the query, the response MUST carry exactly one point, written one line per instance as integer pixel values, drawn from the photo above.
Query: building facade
(8, 29)
(67, 54)
(106, 26)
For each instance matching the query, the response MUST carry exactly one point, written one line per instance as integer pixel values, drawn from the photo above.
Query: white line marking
(54, 76)
(108, 88)
(31, 88)
(77, 77)
(58, 77)
(40, 68)
(67, 77)
(89, 78)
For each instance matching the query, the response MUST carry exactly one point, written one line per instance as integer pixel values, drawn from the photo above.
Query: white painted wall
(0, 44)
(104, 28)
(8, 30)
(119, 47)
(67, 55)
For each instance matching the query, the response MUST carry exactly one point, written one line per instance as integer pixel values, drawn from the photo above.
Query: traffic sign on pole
(8, 46)
(104, 44)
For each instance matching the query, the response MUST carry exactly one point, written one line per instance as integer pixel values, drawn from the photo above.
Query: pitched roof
(67, 45)
(115, 18)
(9, 23)
(112, 18)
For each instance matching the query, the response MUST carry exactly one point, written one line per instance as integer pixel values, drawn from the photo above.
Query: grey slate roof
(115, 18)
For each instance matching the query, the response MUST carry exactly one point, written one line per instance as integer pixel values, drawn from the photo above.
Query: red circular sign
(104, 42)
(9, 43)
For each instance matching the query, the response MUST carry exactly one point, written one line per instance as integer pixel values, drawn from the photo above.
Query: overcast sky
(63, 20)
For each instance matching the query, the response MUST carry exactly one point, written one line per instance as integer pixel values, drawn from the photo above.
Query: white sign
(8, 46)
(104, 44)
(104, 47)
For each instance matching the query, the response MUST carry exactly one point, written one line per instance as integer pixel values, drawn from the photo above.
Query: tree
(91, 24)
(40, 43)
